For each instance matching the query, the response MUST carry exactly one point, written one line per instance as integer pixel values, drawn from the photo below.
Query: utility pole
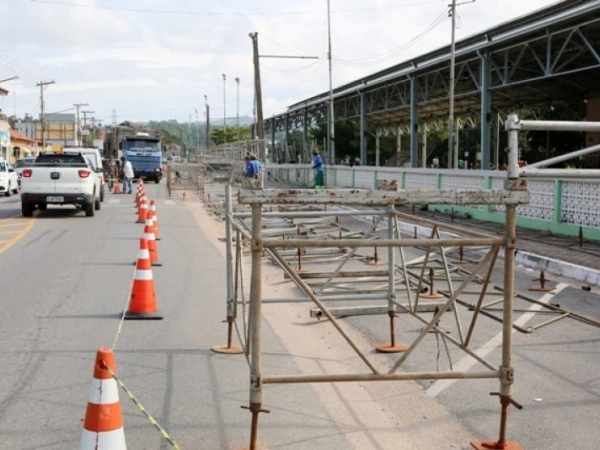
(79, 105)
(452, 152)
(85, 117)
(237, 114)
(42, 84)
(260, 127)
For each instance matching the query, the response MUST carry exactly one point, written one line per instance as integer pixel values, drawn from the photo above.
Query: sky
(167, 60)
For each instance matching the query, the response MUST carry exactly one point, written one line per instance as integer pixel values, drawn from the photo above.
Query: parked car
(93, 154)
(20, 164)
(8, 179)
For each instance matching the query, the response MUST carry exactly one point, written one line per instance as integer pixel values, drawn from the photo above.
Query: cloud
(157, 60)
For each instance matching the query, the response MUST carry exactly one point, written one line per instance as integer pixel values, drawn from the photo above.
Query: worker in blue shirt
(318, 166)
(252, 170)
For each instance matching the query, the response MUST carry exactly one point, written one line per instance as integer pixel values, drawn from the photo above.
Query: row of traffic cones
(103, 423)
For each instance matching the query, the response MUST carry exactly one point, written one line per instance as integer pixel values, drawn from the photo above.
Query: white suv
(8, 179)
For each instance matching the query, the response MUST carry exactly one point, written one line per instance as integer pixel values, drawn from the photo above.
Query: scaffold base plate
(491, 445)
(389, 348)
(233, 350)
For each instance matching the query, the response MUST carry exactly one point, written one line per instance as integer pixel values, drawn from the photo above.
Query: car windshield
(24, 162)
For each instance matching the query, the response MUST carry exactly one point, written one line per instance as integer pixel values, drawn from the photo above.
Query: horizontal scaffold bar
(466, 242)
(280, 379)
(375, 197)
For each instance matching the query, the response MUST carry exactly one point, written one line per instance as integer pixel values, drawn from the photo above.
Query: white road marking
(467, 362)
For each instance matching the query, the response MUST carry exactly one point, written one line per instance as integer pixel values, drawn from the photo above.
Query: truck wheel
(97, 204)
(27, 209)
(89, 209)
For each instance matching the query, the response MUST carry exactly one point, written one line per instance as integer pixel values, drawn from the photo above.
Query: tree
(346, 135)
(230, 134)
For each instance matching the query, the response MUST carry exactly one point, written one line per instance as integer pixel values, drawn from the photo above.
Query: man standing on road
(318, 166)
(127, 175)
(111, 172)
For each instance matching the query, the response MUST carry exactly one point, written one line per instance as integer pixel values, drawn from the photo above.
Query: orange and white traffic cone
(116, 187)
(149, 236)
(139, 193)
(142, 211)
(142, 302)
(142, 197)
(152, 213)
(103, 423)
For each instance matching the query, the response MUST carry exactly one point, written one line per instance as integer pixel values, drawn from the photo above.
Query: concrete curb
(557, 267)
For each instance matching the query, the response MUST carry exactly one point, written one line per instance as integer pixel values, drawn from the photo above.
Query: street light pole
(331, 107)
(224, 114)
(452, 158)
(207, 123)
(198, 123)
(237, 113)
(16, 77)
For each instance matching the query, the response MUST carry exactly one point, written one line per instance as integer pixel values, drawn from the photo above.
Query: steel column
(486, 112)
(414, 123)
(363, 130)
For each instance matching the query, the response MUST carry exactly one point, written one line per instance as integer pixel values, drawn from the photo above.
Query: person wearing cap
(318, 166)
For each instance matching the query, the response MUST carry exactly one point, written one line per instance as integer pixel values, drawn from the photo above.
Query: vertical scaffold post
(392, 347)
(231, 298)
(254, 318)
(510, 244)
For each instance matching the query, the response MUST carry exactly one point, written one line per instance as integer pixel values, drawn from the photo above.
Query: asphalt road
(66, 278)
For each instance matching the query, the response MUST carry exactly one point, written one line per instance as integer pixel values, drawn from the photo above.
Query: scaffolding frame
(260, 242)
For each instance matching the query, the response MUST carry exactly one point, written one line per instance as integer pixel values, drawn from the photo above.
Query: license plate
(55, 199)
